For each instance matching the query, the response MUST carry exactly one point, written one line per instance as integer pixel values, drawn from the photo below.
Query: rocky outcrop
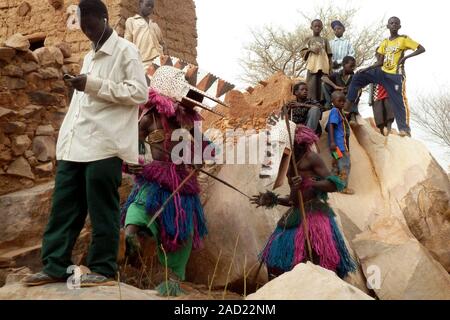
(414, 188)
(25, 214)
(59, 291)
(14, 290)
(392, 176)
(308, 282)
(397, 265)
(237, 230)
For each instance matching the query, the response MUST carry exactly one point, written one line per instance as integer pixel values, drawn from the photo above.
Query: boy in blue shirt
(339, 139)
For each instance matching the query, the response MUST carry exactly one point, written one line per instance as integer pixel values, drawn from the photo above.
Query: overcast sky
(224, 28)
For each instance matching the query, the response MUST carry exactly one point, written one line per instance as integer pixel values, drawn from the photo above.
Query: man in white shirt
(340, 46)
(99, 131)
(145, 33)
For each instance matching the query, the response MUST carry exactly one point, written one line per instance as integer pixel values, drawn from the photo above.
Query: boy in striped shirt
(340, 46)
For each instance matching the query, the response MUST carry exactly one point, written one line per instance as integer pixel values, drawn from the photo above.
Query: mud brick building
(49, 22)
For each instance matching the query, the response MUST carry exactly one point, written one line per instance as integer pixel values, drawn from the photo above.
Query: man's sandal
(39, 279)
(95, 280)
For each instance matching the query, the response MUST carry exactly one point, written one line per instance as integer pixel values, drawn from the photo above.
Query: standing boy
(340, 46)
(317, 54)
(391, 57)
(339, 139)
(145, 33)
(382, 110)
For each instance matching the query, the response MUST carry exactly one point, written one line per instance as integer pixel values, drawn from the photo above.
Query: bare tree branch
(276, 49)
(432, 114)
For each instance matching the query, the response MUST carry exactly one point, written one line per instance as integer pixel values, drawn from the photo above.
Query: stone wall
(33, 102)
(39, 19)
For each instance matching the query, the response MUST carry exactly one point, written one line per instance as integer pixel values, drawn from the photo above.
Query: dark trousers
(314, 83)
(79, 188)
(395, 87)
(383, 114)
(327, 91)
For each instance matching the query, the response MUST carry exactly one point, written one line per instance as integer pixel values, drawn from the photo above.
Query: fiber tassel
(169, 288)
(347, 263)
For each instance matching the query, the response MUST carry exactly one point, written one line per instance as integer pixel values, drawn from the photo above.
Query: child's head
(338, 98)
(394, 24)
(146, 7)
(349, 64)
(338, 28)
(301, 90)
(317, 27)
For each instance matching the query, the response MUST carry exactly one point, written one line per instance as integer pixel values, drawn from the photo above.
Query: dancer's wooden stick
(299, 192)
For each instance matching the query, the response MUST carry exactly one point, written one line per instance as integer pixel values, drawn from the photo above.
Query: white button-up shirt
(102, 122)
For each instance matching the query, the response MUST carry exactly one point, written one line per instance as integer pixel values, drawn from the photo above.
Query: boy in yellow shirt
(390, 59)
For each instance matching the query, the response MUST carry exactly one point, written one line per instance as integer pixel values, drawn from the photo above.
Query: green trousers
(81, 188)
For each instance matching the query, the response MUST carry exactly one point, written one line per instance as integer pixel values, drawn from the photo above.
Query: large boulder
(237, 231)
(414, 188)
(308, 282)
(358, 211)
(14, 290)
(397, 266)
(24, 215)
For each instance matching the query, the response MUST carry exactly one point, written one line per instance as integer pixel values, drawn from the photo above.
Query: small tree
(432, 114)
(276, 49)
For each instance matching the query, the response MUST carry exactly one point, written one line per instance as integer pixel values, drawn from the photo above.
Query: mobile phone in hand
(68, 76)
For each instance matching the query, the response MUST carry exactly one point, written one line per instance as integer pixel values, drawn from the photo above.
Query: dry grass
(230, 268)
(214, 274)
(143, 273)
